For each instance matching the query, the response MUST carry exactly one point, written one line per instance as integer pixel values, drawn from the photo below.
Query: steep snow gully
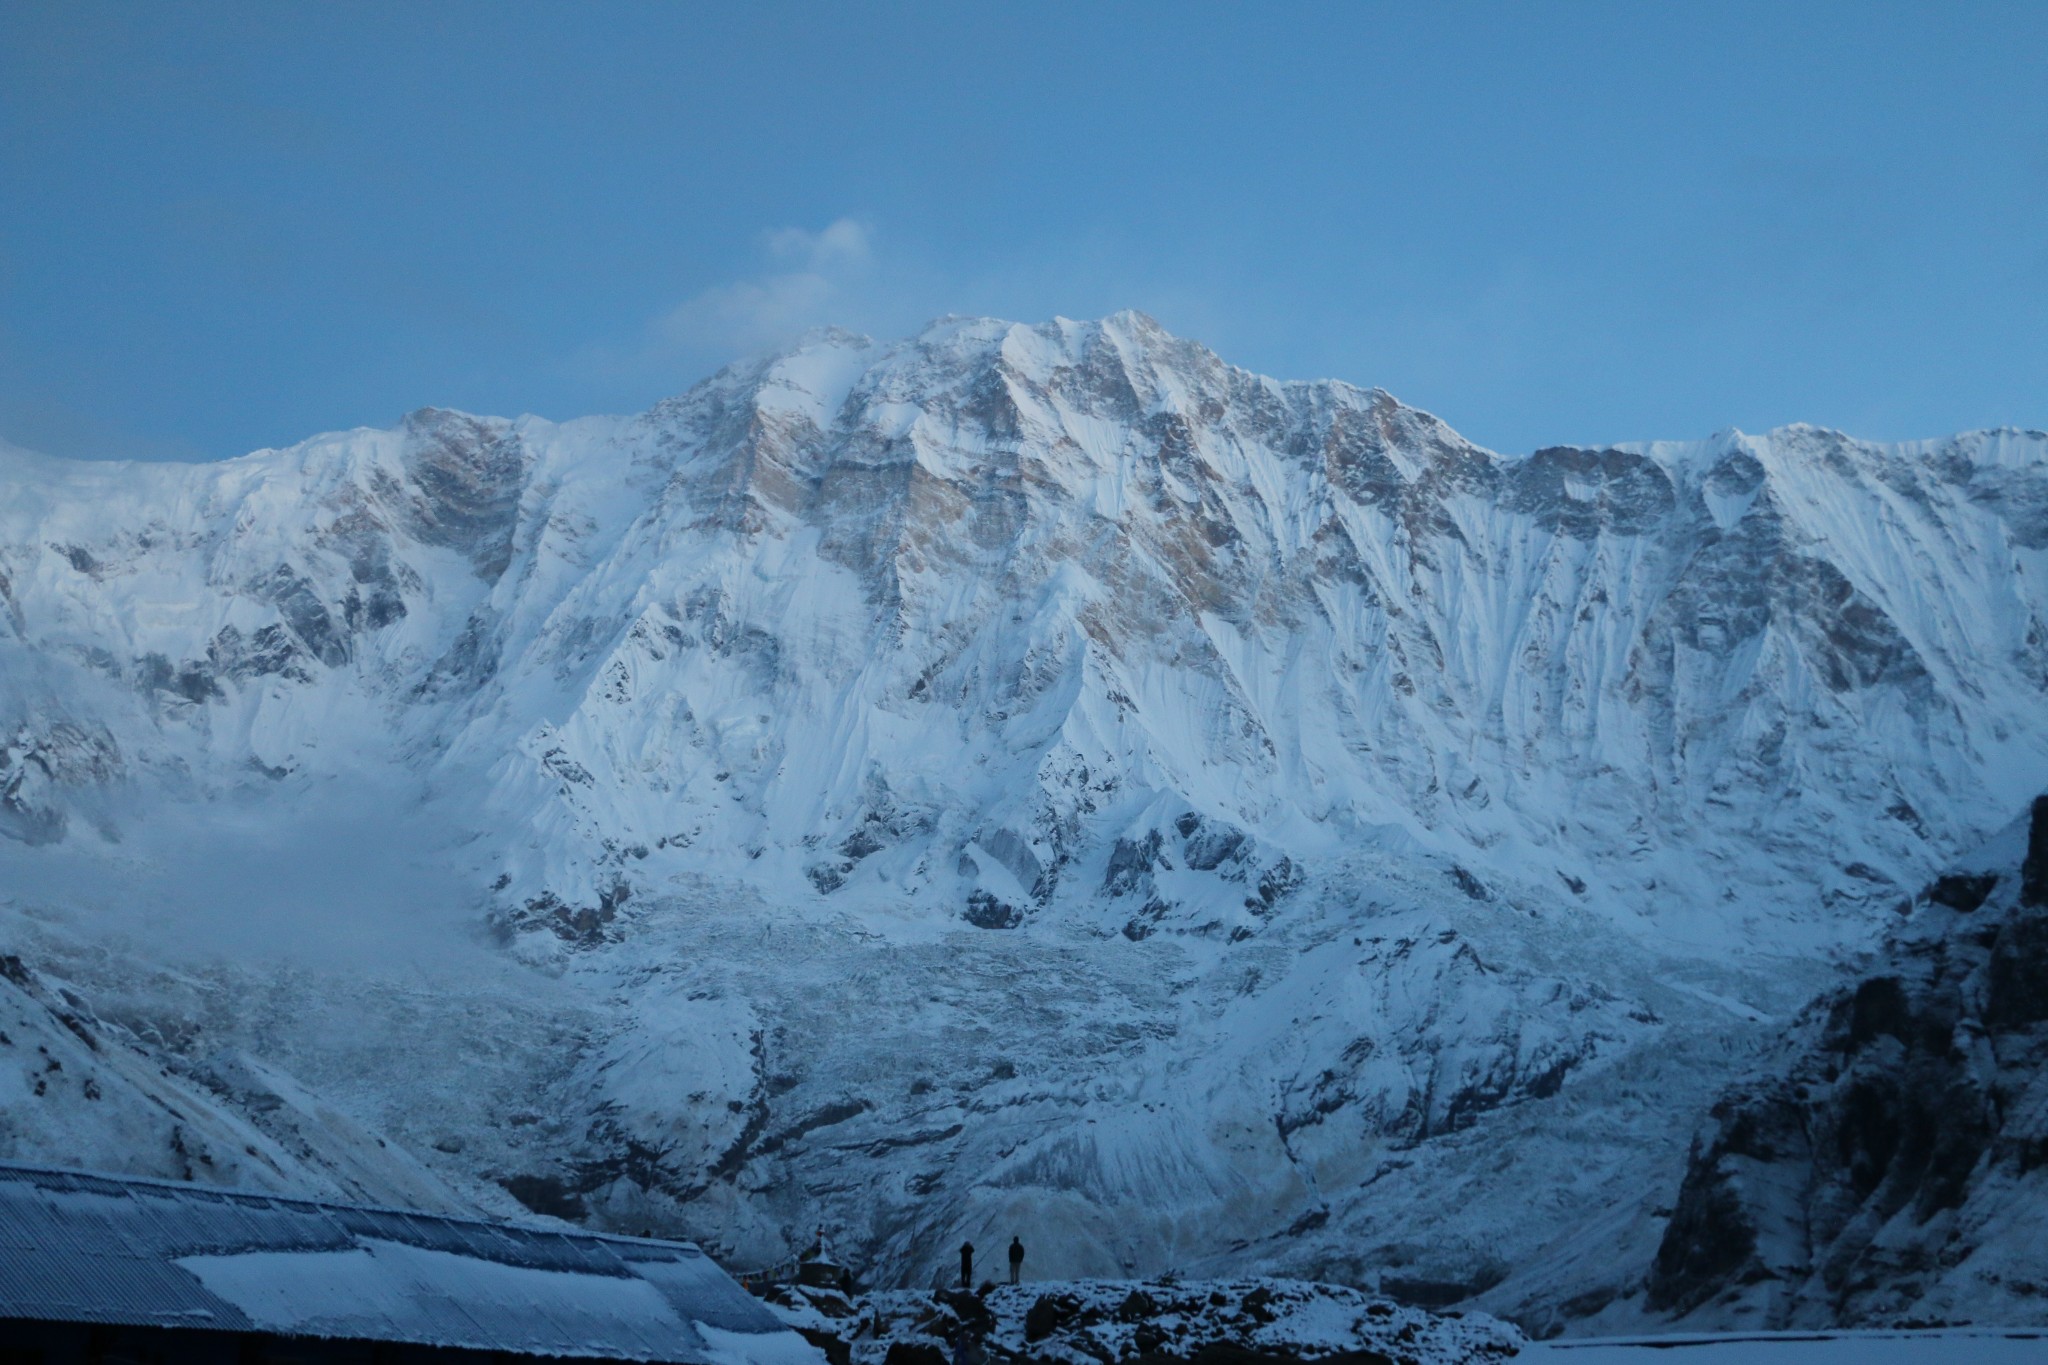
(1033, 779)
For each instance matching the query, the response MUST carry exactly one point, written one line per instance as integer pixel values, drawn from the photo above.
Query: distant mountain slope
(1037, 775)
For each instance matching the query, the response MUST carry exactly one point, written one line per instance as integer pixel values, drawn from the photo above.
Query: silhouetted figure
(1016, 1258)
(967, 1265)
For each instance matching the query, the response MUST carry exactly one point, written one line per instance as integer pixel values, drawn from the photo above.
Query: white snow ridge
(1016, 779)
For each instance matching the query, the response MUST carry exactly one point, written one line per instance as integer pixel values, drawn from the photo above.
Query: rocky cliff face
(1037, 774)
(1892, 1165)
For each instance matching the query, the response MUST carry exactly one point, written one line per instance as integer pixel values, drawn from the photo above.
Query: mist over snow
(354, 881)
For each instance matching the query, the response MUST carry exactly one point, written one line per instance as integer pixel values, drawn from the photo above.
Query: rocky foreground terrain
(1015, 778)
(1157, 1322)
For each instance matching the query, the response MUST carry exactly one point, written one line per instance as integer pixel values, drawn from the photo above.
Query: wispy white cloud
(745, 315)
(843, 245)
(848, 274)
(812, 278)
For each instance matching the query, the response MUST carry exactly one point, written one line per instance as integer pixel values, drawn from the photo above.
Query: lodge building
(121, 1271)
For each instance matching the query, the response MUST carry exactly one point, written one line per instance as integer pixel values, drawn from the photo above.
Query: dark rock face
(1581, 493)
(1880, 1162)
(2034, 872)
(37, 768)
(297, 600)
(1962, 893)
(467, 475)
(984, 911)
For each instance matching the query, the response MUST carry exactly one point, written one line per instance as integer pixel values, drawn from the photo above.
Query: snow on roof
(78, 1247)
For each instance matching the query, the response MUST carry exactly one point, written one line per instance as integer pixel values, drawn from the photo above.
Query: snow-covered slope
(1038, 775)
(80, 1090)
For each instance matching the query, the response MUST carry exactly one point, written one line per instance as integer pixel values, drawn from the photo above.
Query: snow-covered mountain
(1035, 777)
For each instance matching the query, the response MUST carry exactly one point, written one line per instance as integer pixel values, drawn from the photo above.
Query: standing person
(1016, 1258)
(967, 1265)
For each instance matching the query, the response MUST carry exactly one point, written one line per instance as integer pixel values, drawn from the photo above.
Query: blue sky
(230, 226)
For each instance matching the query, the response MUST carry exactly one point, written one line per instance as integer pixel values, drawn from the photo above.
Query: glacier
(1017, 778)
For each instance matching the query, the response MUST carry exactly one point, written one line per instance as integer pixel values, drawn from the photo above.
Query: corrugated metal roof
(82, 1247)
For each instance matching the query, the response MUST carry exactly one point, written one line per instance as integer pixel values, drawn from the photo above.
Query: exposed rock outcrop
(1894, 1167)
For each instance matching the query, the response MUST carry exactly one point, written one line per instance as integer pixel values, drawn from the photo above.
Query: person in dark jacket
(1016, 1258)
(967, 1265)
